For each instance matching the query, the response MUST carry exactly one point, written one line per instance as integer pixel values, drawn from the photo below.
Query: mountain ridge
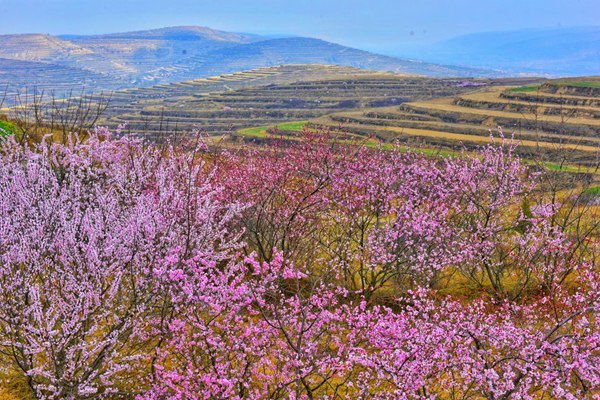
(306, 50)
(189, 31)
(172, 53)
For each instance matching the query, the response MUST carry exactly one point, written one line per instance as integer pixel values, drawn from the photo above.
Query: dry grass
(492, 95)
(448, 105)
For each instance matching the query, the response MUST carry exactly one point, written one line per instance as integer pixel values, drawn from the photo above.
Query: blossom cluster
(306, 269)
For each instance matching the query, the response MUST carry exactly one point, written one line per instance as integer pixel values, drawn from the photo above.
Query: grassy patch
(583, 84)
(524, 89)
(566, 167)
(292, 126)
(593, 191)
(257, 131)
(295, 126)
(261, 131)
(555, 167)
(6, 128)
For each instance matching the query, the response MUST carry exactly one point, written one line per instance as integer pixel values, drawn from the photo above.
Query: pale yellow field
(492, 95)
(446, 104)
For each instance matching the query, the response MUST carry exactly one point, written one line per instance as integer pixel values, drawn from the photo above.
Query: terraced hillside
(39, 47)
(53, 50)
(269, 95)
(18, 76)
(557, 120)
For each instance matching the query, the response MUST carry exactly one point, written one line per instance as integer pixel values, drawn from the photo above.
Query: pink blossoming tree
(84, 234)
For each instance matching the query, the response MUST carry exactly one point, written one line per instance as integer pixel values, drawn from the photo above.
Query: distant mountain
(175, 33)
(555, 51)
(302, 50)
(39, 47)
(54, 50)
(177, 53)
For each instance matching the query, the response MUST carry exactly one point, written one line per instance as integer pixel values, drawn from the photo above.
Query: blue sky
(368, 24)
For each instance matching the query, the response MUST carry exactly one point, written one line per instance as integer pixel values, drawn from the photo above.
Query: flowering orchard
(303, 270)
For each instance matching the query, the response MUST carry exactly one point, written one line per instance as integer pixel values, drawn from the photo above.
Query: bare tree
(37, 114)
(4, 94)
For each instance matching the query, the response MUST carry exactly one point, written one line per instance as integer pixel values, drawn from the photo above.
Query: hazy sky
(368, 24)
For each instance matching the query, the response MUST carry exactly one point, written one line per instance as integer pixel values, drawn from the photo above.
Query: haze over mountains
(562, 51)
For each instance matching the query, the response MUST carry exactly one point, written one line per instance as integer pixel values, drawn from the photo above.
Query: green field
(583, 84)
(286, 129)
(593, 191)
(524, 89)
(262, 131)
(6, 128)
(568, 168)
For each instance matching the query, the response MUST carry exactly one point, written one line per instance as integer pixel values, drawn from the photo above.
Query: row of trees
(310, 269)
